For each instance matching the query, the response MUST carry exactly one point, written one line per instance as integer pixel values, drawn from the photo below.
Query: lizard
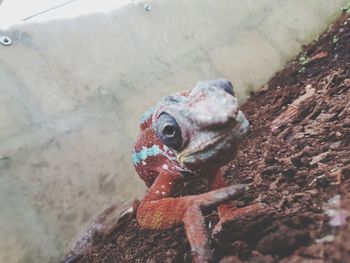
(190, 134)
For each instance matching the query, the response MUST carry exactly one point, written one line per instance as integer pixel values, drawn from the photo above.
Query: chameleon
(190, 134)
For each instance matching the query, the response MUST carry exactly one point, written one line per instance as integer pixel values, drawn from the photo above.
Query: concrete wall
(71, 92)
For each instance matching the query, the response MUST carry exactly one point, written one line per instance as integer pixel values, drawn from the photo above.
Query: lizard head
(203, 125)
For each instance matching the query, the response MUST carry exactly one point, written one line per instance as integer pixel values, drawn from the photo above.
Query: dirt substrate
(296, 160)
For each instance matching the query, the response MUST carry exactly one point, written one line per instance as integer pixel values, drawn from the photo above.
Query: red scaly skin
(198, 136)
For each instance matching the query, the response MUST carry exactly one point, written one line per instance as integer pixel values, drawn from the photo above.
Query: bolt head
(5, 40)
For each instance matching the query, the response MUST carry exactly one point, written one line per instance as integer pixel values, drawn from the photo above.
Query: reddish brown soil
(295, 171)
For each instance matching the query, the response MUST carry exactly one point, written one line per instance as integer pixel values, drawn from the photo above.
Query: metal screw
(147, 7)
(5, 40)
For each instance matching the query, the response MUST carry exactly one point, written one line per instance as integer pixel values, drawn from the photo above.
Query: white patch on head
(165, 167)
(144, 163)
(157, 192)
(164, 193)
(170, 183)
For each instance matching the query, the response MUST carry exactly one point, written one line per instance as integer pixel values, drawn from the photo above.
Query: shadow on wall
(72, 90)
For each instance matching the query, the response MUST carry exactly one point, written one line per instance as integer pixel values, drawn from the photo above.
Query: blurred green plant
(335, 39)
(346, 8)
(302, 70)
(303, 60)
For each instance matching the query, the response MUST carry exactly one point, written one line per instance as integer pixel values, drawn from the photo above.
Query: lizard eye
(223, 84)
(228, 88)
(168, 131)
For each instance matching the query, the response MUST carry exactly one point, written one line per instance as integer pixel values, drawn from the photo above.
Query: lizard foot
(228, 212)
(194, 220)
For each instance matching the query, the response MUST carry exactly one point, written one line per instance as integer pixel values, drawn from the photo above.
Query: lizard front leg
(159, 211)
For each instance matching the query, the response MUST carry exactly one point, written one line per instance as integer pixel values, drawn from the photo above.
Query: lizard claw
(228, 213)
(219, 196)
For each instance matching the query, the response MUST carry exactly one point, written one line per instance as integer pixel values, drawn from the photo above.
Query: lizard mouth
(208, 148)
